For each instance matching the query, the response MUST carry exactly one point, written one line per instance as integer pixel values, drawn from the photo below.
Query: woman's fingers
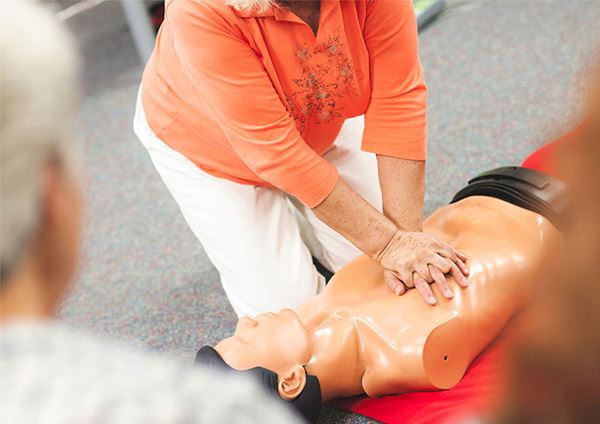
(423, 288)
(459, 276)
(401, 282)
(414, 259)
(440, 280)
(464, 269)
(394, 282)
(447, 252)
(441, 263)
(406, 277)
(423, 270)
(461, 255)
(455, 256)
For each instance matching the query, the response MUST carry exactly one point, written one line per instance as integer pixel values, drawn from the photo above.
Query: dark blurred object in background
(157, 14)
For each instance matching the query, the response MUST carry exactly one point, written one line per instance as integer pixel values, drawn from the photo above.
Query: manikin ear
(291, 382)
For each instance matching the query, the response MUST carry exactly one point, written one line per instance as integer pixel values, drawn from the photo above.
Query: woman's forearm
(352, 216)
(402, 188)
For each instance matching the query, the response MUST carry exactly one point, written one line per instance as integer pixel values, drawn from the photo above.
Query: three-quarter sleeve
(396, 118)
(228, 76)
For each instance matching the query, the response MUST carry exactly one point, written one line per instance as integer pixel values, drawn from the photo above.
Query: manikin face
(277, 342)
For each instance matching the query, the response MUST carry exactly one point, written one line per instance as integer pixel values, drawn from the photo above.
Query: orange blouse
(257, 98)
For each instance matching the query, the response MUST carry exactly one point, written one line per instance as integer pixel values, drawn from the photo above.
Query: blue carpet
(503, 78)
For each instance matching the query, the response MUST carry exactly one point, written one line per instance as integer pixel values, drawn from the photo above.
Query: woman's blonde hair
(251, 5)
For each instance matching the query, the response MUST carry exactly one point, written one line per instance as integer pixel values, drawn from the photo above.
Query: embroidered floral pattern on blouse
(323, 82)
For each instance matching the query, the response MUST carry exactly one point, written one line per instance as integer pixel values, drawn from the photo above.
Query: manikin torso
(367, 339)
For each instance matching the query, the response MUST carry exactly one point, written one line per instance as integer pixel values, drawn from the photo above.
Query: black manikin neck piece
(308, 403)
(526, 188)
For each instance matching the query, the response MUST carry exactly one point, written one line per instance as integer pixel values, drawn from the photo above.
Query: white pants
(259, 239)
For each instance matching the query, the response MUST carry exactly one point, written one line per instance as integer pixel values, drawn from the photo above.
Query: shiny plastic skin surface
(358, 337)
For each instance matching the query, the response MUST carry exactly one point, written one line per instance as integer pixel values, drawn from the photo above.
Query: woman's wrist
(402, 189)
(353, 217)
(381, 254)
(380, 240)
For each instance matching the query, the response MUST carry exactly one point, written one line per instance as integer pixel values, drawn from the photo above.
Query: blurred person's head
(556, 368)
(39, 194)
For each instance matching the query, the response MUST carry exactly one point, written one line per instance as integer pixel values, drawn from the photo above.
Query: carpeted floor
(503, 78)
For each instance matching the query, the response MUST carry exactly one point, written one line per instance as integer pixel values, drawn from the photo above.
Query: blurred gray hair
(39, 90)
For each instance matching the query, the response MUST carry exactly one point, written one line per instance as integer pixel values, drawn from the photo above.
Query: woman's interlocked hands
(414, 259)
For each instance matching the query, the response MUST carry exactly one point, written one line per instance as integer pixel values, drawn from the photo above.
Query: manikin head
(40, 197)
(278, 342)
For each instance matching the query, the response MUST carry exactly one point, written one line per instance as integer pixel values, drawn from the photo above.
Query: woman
(245, 110)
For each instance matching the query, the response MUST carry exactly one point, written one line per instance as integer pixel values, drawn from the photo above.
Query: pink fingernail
(431, 300)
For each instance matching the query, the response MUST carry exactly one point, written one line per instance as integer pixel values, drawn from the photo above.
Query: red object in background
(543, 159)
(477, 394)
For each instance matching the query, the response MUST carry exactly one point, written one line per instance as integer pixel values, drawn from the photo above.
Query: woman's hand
(414, 259)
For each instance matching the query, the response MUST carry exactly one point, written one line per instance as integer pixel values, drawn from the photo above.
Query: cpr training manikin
(358, 337)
